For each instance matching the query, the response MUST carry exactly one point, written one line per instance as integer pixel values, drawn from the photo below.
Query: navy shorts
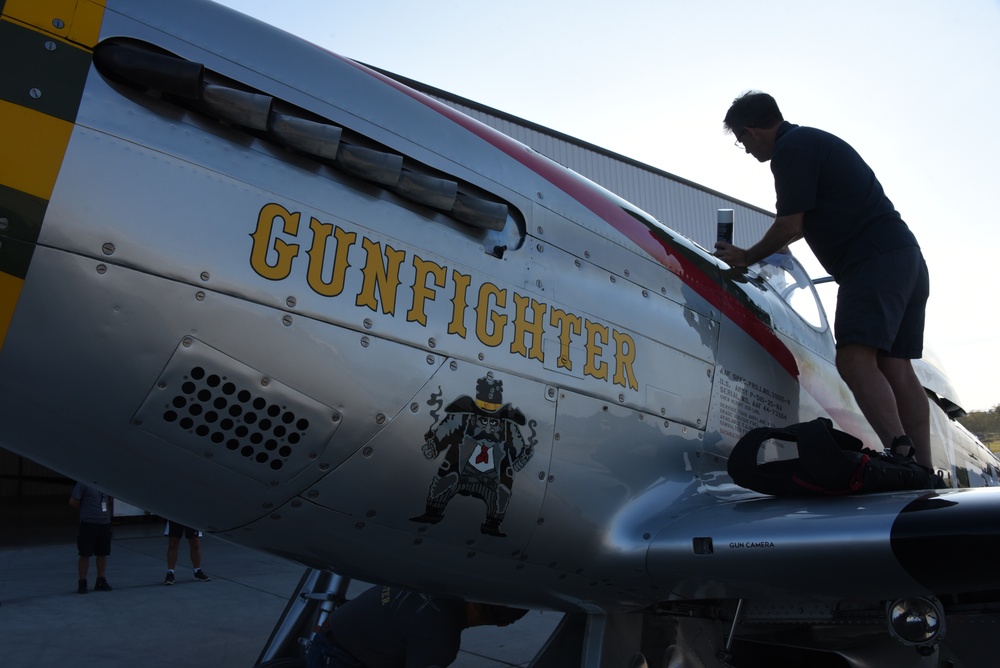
(94, 539)
(882, 302)
(175, 530)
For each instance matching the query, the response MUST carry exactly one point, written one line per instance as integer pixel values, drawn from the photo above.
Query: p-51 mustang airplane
(259, 288)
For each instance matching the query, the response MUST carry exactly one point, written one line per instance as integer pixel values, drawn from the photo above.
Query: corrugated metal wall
(682, 205)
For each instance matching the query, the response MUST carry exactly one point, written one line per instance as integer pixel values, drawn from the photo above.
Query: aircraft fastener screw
(430, 359)
(380, 418)
(200, 296)
(108, 249)
(287, 321)
(58, 24)
(364, 341)
(102, 268)
(453, 366)
(50, 45)
(35, 93)
(204, 276)
(291, 302)
(432, 343)
(312, 494)
(414, 407)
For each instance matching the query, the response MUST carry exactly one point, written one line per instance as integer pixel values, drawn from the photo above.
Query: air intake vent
(221, 409)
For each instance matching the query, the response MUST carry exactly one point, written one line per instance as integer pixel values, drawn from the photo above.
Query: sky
(912, 85)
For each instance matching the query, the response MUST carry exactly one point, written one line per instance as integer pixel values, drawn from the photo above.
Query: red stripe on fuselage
(608, 210)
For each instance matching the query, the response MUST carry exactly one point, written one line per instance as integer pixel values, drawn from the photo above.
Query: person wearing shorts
(175, 531)
(828, 195)
(94, 536)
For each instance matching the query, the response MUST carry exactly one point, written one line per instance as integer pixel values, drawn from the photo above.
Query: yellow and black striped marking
(45, 55)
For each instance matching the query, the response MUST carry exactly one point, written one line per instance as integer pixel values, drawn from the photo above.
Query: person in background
(174, 532)
(94, 537)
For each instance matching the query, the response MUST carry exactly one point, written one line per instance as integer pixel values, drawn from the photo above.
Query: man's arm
(783, 231)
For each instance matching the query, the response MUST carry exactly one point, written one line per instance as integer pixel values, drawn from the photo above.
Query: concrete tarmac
(45, 623)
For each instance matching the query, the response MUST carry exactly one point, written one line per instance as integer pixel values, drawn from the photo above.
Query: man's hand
(730, 254)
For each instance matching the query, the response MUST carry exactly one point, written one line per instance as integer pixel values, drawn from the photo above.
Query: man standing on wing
(829, 196)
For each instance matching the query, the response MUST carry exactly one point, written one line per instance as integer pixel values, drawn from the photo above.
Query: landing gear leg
(314, 598)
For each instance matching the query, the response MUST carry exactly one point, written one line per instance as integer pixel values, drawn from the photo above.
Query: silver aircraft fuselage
(266, 291)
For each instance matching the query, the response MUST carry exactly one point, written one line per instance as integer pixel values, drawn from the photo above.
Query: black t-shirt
(387, 627)
(847, 217)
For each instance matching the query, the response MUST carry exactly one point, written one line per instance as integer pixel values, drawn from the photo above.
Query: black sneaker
(102, 585)
(200, 576)
(81, 587)
(169, 580)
